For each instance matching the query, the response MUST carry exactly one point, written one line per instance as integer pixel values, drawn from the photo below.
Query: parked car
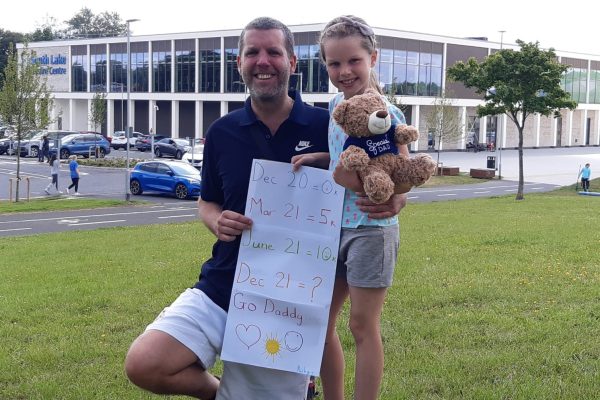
(83, 144)
(171, 147)
(99, 133)
(32, 146)
(120, 138)
(168, 176)
(195, 157)
(143, 143)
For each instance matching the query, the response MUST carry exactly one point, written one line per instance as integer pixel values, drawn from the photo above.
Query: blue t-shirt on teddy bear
(375, 145)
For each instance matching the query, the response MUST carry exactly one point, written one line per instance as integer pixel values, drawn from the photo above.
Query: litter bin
(491, 162)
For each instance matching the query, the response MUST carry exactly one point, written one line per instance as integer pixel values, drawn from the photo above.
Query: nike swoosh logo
(300, 148)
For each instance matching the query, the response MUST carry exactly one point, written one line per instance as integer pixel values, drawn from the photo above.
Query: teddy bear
(371, 148)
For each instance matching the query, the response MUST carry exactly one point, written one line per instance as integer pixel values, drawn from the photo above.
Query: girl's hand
(347, 179)
(319, 160)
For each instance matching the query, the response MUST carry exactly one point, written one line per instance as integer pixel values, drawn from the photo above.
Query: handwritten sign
(286, 269)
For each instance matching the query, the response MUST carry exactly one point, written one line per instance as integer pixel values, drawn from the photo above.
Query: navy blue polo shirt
(228, 153)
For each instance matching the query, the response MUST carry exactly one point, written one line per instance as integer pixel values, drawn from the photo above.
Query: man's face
(264, 64)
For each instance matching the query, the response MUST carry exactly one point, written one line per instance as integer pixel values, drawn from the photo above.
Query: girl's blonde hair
(350, 25)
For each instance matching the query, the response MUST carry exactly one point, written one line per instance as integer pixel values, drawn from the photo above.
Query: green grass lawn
(60, 203)
(492, 299)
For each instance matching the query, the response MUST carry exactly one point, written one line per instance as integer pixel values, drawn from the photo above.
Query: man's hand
(380, 211)
(230, 225)
(225, 225)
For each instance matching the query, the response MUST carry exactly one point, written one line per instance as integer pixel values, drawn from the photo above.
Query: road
(545, 169)
(58, 221)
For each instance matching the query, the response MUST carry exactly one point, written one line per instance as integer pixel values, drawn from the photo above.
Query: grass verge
(492, 299)
(60, 203)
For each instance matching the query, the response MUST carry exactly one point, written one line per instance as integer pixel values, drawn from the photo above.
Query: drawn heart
(249, 335)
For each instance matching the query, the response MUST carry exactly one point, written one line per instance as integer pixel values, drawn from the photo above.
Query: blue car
(82, 144)
(173, 177)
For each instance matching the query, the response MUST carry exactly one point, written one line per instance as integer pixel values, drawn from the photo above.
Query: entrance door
(587, 131)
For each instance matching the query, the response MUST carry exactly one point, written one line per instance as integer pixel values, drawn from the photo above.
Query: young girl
(74, 170)
(368, 247)
(54, 170)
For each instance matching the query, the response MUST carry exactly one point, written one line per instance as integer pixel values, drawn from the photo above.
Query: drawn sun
(272, 347)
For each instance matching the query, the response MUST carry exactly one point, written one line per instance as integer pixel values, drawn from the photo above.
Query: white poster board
(286, 269)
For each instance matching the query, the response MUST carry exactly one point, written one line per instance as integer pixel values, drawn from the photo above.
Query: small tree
(518, 84)
(98, 112)
(443, 122)
(24, 99)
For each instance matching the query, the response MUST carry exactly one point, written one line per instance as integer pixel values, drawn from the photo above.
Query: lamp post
(500, 127)
(128, 133)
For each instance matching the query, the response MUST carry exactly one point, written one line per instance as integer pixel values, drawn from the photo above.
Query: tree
(518, 84)
(7, 39)
(85, 24)
(443, 122)
(98, 112)
(25, 100)
(45, 31)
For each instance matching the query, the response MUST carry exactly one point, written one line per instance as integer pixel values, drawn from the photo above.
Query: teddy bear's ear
(339, 112)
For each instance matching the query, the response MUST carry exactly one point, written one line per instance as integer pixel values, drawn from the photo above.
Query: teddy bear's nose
(382, 114)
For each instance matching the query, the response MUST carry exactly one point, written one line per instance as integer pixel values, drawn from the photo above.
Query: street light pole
(501, 126)
(128, 133)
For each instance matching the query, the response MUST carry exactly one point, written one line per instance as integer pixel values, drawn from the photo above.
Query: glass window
(161, 66)
(79, 68)
(185, 66)
(210, 65)
(98, 68)
(118, 67)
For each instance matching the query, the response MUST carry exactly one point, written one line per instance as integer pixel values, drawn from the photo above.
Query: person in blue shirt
(586, 173)
(74, 171)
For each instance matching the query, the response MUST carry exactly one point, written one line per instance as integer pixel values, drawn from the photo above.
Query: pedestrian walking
(586, 173)
(54, 171)
(44, 152)
(74, 170)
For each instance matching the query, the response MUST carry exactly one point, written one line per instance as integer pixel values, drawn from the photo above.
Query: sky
(570, 27)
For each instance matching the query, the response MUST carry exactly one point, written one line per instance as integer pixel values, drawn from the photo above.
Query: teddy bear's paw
(406, 134)
(378, 187)
(422, 168)
(354, 159)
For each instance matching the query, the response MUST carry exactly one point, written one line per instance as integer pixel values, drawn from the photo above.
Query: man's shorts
(195, 321)
(367, 255)
(199, 324)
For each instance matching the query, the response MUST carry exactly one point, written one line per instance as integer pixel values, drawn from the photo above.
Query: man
(173, 354)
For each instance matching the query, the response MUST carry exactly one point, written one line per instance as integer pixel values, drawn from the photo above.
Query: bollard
(10, 189)
(28, 187)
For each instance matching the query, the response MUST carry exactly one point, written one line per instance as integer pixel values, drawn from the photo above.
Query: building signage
(51, 65)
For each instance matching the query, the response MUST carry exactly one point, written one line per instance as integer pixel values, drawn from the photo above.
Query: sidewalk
(554, 166)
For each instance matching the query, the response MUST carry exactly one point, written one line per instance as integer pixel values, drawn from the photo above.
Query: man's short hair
(266, 23)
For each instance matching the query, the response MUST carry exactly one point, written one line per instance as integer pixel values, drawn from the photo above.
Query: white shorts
(195, 321)
(199, 324)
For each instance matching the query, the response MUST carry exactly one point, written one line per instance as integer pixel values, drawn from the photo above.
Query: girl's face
(348, 64)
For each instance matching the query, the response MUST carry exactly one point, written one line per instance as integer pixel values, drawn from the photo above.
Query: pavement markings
(177, 216)
(15, 229)
(99, 222)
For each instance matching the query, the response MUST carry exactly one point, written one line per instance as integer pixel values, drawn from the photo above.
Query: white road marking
(177, 216)
(446, 194)
(16, 229)
(99, 222)
(92, 216)
(482, 192)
